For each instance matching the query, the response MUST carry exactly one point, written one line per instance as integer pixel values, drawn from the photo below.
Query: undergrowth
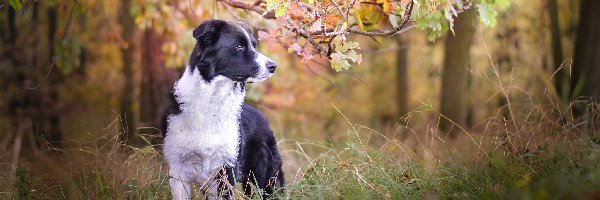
(538, 158)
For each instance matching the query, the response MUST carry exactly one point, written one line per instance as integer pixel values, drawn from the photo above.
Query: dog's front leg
(181, 189)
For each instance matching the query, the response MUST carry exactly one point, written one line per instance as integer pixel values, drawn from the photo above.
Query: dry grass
(539, 153)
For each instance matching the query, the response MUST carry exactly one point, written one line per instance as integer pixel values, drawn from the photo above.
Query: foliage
(567, 167)
(316, 24)
(344, 52)
(15, 4)
(309, 27)
(488, 13)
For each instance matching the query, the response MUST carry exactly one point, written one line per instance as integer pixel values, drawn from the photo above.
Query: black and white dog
(209, 129)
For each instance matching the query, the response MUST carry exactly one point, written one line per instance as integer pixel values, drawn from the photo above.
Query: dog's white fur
(205, 135)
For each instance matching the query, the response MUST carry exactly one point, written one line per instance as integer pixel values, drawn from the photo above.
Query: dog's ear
(208, 32)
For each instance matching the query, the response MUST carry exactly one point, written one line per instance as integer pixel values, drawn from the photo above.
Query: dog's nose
(271, 66)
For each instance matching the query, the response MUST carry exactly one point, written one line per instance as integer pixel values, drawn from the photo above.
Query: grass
(541, 157)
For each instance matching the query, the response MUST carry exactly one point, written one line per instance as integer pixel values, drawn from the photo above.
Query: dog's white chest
(205, 135)
(198, 150)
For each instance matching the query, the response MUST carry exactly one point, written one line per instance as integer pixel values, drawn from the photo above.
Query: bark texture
(127, 119)
(586, 64)
(456, 61)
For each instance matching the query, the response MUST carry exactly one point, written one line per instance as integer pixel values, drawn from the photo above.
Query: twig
(318, 39)
(391, 32)
(24, 7)
(246, 6)
(271, 15)
(58, 49)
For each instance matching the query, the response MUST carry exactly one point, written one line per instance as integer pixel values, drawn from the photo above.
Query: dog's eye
(239, 48)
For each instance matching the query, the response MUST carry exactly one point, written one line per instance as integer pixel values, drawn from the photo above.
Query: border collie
(212, 138)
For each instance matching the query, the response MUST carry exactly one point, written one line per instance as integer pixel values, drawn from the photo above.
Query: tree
(560, 83)
(307, 28)
(456, 61)
(50, 108)
(586, 63)
(402, 76)
(127, 119)
(157, 82)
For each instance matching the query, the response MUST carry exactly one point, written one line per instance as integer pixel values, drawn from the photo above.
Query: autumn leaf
(370, 14)
(332, 20)
(296, 48)
(338, 62)
(359, 20)
(277, 6)
(387, 6)
(269, 38)
(344, 53)
(433, 6)
(316, 26)
(296, 12)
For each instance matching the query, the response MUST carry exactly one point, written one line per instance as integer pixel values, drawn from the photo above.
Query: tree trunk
(402, 77)
(456, 60)
(127, 119)
(157, 82)
(586, 64)
(560, 83)
(51, 106)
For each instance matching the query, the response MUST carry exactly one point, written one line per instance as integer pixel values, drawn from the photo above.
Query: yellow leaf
(387, 6)
(370, 14)
(359, 20)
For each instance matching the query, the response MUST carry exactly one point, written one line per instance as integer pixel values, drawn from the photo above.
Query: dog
(209, 130)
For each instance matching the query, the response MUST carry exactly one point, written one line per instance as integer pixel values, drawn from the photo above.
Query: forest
(372, 99)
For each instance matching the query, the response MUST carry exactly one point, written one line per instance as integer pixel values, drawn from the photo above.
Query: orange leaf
(296, 12)
(387, 6)
(332, 21)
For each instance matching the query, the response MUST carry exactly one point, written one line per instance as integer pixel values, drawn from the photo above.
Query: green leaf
(15, 4)
(355, 57)
(370, 14)
(349, 45)
(280, 11)
(344, 53)
(359, 20)
(502, 3)
(339, 65)
(278, 6)
(487, 14)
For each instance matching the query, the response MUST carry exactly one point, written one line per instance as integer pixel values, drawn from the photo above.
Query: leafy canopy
(311, 27)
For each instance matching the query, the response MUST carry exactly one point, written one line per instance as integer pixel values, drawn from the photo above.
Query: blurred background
(78, 79)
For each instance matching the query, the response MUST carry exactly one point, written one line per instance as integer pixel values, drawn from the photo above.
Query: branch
(57, 51)
(252, 7)
(321, 43)
(398, 29)
(313, 42)
(270, 15)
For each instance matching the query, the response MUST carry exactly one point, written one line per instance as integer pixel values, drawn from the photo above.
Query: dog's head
(229, 49)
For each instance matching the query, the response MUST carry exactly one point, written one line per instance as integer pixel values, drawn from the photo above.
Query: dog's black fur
(258, 161)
